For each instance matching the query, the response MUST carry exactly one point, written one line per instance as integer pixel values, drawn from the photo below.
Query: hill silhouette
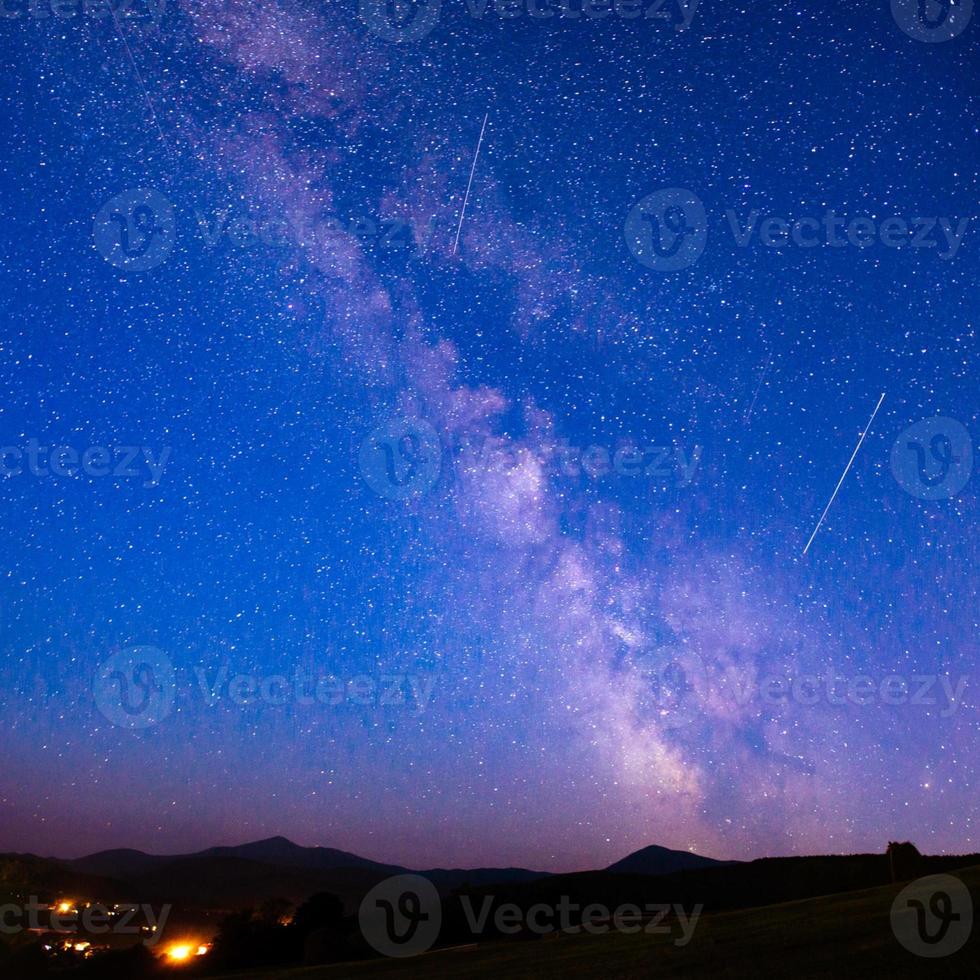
(283, 852)
(655, 860)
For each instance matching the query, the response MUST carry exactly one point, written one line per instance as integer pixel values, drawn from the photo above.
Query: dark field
(846, 935)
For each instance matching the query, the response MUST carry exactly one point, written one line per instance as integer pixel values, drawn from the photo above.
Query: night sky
(526, 496)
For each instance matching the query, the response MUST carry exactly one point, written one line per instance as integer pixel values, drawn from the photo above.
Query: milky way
(533, 508)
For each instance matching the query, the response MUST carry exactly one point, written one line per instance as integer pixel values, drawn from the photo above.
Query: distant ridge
(249, 873)
(273, 867)
(282, 851)
(124, 863)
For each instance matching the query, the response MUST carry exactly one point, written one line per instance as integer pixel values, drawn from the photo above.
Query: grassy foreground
(846, 935)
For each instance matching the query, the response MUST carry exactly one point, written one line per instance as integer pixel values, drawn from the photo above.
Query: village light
(180, 953)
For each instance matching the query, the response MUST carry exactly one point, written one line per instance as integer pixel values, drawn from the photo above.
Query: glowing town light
(180, 953)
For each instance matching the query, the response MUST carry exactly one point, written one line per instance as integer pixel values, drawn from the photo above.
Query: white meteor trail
(844, 474)
(476, 156)
(748, 414)
(142, 83)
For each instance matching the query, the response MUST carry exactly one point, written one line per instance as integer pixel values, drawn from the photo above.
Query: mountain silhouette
(283, 852)
(654, 860)
(226, 878)
(252, 872)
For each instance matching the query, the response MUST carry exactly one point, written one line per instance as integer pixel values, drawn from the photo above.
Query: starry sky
(559, 492)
